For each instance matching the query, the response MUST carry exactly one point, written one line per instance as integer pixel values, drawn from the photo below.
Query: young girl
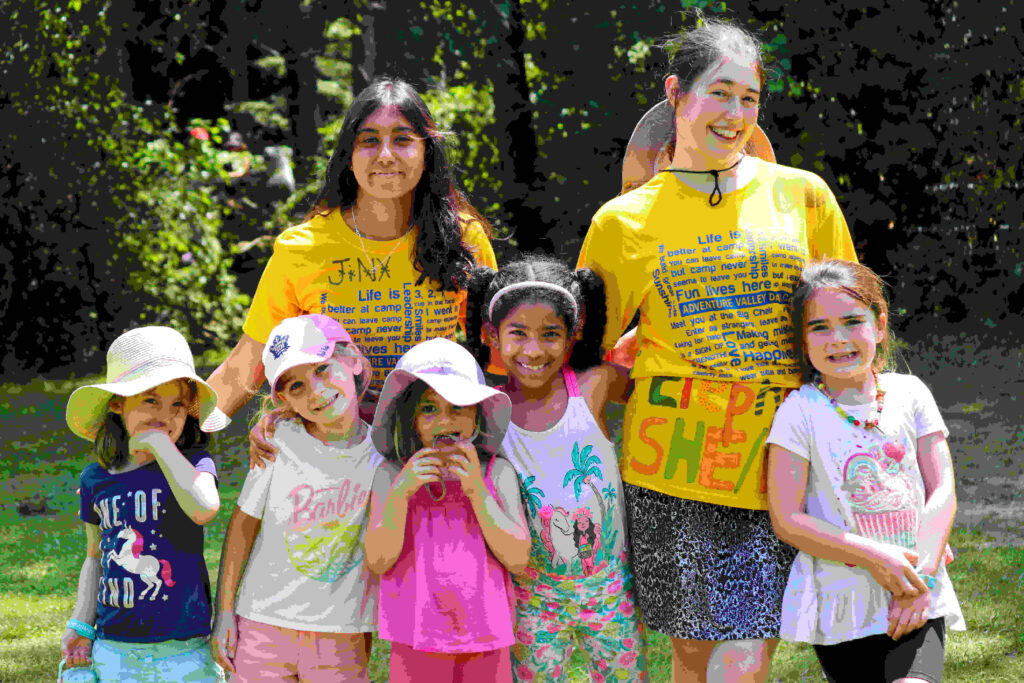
(861, 481)
(305, 600)
(547, 323)
(446, 520)
(143, 591)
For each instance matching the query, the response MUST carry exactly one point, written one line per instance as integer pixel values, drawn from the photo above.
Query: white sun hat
(451, 371)
(137, 361)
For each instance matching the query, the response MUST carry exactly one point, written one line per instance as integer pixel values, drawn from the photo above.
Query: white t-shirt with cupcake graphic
(867, 481)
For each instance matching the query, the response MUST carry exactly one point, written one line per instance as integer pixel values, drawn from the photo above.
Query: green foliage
(101, 200)
(907, 109)
(181, 275)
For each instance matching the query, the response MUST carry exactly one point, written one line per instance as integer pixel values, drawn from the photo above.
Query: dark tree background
(113, 215)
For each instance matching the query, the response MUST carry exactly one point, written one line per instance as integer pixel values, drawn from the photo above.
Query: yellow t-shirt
(713, 286)
(321, 267)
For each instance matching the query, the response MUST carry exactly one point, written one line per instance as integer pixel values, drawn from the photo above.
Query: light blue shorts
(169, 661)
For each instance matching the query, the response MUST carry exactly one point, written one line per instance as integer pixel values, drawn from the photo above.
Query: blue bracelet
(81, 628)
(928, 580)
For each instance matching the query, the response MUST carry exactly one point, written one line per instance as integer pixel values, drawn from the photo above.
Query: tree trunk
(513, 113)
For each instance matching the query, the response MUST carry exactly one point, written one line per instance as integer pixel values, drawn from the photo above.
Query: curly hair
(585, 286)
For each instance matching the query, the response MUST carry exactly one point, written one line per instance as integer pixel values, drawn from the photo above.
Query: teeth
(534, 367)
(442, 439)
(726, 133)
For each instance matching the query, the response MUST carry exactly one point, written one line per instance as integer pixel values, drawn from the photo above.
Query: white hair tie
(534, 284)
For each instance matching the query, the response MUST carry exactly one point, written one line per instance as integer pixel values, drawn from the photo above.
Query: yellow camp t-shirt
(320, 267)
(713, 286)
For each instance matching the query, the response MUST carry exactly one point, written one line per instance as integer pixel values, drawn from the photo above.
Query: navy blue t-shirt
(155, 585)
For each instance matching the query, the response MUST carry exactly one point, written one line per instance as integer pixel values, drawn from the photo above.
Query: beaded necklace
(872, 421)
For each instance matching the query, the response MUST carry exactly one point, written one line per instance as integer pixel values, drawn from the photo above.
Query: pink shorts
(412, 666)
(273, 653)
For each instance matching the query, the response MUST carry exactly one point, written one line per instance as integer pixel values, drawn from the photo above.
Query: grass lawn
(40, 556)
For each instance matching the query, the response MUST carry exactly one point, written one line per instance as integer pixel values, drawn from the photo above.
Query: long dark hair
(586, 287)
(407, 441)
(440, 253)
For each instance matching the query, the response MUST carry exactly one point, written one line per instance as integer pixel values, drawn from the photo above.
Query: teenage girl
(446, 520)
(389, 224)
(305, 600)
(547, 323)
(143, 608)
(861, 482)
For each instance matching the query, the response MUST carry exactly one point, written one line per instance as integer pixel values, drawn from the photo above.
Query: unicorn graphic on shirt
(154, 572)
(557, 535)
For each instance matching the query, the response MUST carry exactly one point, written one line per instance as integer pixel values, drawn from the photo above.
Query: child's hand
(224, 639)
(260, 450)
(908, 614)
(423, 467)
(464, 463)
(893, 569)
(76, 649)
(149, 442)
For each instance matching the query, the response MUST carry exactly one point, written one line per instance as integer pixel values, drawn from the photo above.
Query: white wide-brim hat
(656, 128)
(452, 372)
(137, 361)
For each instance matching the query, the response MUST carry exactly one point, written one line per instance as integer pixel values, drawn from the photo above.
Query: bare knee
(740, 661)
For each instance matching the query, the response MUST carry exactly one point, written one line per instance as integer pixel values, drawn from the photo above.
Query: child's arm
(906, 615)
(601, 384)
(940, 500)
(238, 543)
(196, 492)
(501, 520)
(76, 649)
(890, 565)
(389, 506)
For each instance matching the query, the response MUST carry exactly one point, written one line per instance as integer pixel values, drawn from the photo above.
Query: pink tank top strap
(571, 385)
(488, 478)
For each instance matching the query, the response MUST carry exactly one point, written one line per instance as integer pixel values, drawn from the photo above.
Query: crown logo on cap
(279, 345)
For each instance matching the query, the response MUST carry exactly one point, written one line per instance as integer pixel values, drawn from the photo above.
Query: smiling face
(840, 337)
(323, 394)
(440, 423)
(533, 343)
(388, 155)
(716, 118)
(163, 408)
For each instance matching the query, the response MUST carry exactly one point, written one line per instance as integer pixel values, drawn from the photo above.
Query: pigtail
(480, 280)
(586, 352)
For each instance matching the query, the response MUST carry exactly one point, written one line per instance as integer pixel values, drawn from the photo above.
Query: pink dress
(447, 592)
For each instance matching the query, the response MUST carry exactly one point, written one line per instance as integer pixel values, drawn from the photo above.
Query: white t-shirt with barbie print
(307, 567)
(872, 476)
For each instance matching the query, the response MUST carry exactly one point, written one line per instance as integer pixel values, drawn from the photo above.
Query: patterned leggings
(596, 614)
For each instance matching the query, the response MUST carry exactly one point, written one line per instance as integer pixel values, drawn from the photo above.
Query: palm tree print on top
(578, 534)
